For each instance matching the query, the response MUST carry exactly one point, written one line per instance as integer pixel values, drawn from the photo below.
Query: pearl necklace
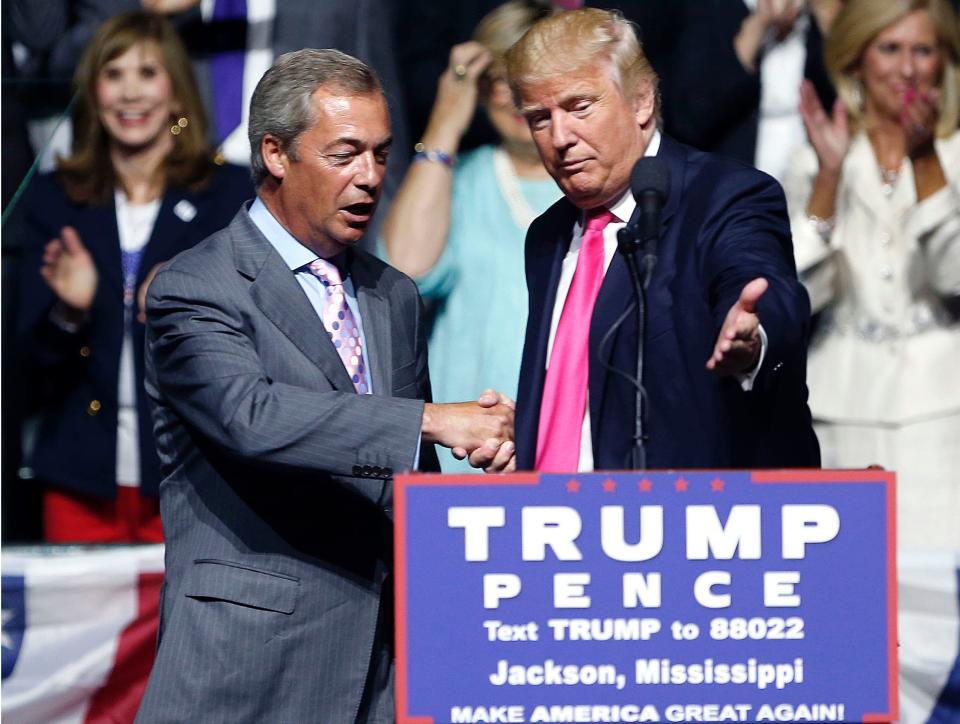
(509, 185)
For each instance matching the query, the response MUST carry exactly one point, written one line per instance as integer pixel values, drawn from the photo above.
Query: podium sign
(629, 597)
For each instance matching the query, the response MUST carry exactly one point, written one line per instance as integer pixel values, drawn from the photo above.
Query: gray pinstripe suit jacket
(276, 487)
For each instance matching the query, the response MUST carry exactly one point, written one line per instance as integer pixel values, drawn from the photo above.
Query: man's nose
(370, 172)
(561, 133)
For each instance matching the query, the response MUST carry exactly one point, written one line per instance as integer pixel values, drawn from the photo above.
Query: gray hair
(281, 101)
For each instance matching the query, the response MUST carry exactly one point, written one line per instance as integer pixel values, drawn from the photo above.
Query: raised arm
(416, 228)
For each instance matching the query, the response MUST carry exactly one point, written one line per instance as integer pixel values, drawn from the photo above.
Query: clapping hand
(779, 15)
(919, 119)
(68, 269)
(829, 135)
(142, 294)
(776, 16)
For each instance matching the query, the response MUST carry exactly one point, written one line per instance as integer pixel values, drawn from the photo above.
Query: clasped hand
(480, 431)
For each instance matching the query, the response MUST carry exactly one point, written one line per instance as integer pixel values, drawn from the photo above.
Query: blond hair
(579, 38)
(856, 26)
(502, 27)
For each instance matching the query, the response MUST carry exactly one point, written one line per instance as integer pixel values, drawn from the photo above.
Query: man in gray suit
(264, 343)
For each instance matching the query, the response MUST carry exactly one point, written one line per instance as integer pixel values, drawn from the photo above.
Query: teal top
(479, 288)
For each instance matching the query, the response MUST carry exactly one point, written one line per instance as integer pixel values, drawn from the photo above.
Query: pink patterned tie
(339, 322)
(565, 390)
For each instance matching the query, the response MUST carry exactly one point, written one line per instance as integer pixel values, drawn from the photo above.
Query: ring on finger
(459, 71)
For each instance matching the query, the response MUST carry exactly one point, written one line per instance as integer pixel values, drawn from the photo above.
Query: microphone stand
(629, 243)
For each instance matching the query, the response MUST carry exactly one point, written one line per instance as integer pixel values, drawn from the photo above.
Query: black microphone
(650, 185)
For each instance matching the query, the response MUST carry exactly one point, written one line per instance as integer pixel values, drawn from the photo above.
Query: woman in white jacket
(875, 212)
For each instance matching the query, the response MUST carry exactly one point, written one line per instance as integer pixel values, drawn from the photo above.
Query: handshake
(481, 431)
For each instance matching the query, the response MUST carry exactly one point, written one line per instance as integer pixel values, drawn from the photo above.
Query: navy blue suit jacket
(76, 446)
(723, 225)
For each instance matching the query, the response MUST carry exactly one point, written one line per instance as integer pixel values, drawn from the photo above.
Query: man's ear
(644, 102)
(274, 157)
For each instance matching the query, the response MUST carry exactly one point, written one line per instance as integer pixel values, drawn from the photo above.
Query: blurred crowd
(125, 142)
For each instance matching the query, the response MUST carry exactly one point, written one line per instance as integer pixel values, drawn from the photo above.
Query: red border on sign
(785, 476)
(401, 482)
(863, 476)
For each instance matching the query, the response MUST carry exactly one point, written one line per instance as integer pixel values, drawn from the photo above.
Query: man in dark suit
(726, 331)
(264, 343)
(731, 110)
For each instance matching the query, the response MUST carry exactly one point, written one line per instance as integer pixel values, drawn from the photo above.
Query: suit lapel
(167, 233)
(544, 263)
(616, 294)
(102, 236)
(375, 316)
(676, 157)
(277, 293)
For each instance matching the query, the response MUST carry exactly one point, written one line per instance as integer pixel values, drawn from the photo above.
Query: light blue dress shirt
(298, 257)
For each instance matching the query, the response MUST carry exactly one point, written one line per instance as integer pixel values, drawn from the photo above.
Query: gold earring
(177, 128)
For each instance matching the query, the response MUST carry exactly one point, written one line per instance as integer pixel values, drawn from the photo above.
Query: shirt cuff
(416, 456)
(746, 379)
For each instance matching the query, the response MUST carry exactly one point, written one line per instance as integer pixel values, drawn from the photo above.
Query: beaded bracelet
(434, 155)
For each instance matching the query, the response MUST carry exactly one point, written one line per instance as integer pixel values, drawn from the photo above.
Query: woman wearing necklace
(140, 186)
(457, 226)
(875, 206)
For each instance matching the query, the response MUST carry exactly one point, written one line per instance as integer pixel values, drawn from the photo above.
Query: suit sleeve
(428, 461)
(204, 365)
(747, 235)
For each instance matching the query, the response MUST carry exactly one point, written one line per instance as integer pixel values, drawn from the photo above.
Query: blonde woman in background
(875, 212)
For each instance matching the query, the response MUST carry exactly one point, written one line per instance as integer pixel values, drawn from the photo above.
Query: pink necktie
(565, 390)
(339, 322)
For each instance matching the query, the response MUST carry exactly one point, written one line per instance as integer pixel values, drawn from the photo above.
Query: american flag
(79, 632)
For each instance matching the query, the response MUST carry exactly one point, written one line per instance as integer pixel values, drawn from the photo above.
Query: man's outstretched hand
(737, 349)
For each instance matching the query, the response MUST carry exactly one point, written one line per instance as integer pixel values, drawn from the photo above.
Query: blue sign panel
(630, 597)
